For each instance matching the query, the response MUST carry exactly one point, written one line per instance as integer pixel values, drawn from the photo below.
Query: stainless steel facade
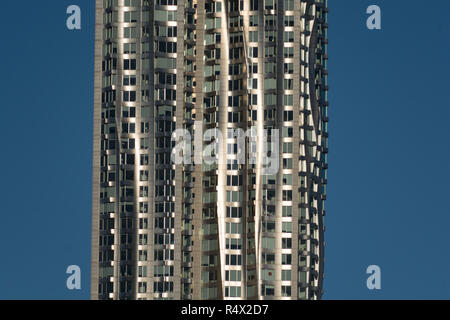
(201, 231)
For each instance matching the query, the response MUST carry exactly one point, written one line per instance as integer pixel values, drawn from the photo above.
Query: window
(303, 213)
(286, 275)
(302, 277)
(268, 258)
(129, 48)
(287, 163)
(253, 52)
(287, 211)
(143, 224)
(166, 2)
(129, 32)
(233, 244)
(143, 175)
(145, 142)
(288, 83)
(302, 245)
(287, 147)
(288, 100)
(270, 83)
(208, 276)
(209, 293)
(289, 5)
(288, 132)
(129, 80)
(160, 287)
(129, 128)
(233, 292)
(270, 5)
(162, 15)
(253, 36)
(287, 195)
(287, 179)
(234, 212)
(144, 159)
(142, 271)
(234, 196)
(286, 243)
(288, 53)
(289, 68)
(129, 96)
(131, 3)
(302, 261)
(253, 68)
(270, 21)
(268, 226)
(166, 47)
(142, 255)
(130, 16)
(234, 228)
(129, 64)
(286, 227)
(267, 290)
(268, 275)
(286, 259)
(143, 240)
(143, 207)
(233, 275)
(302, 229)
(233, 259)
(270, 36)
(288, 21)
(268, 243)
(210, 245)
(286, 291)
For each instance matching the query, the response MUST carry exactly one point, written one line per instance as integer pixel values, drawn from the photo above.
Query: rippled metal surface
(194, 231)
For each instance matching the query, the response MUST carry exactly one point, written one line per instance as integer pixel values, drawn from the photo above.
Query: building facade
(228, 229)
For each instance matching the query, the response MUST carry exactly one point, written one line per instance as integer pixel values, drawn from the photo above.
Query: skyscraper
(234, 74)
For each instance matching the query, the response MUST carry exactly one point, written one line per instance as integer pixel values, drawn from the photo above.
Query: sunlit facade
(226, 230)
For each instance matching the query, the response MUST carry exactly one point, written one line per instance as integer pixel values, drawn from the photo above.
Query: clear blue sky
(388, 194)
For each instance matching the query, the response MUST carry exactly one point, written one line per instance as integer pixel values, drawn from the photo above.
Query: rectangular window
(286, 275)
(286, 291)
(286, 259)
(130, 32)
(267, 290)
(286, 243)
(286, 227)
(130, 16)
